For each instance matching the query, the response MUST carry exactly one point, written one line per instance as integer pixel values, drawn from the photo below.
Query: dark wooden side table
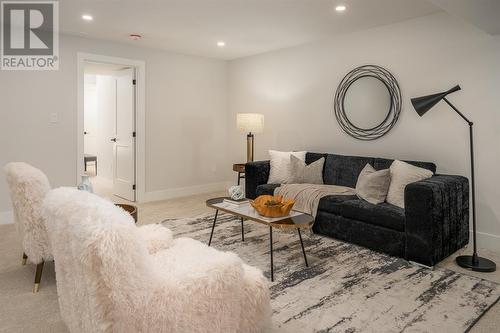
(240, 169)
(132, 210)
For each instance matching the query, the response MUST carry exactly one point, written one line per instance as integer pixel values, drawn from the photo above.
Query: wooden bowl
(272, 206)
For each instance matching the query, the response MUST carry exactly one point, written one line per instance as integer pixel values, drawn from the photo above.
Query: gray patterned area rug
(347, 288)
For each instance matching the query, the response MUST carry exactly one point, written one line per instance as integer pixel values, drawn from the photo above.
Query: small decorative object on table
(272, 206)
(236, 192)
(236, 202)
(86, 185)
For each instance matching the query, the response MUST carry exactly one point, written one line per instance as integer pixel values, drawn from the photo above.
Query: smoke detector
(135, 36)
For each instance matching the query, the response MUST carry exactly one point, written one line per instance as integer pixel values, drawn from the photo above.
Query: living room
(200, 67)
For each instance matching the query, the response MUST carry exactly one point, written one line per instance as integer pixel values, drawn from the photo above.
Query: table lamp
(250, 123)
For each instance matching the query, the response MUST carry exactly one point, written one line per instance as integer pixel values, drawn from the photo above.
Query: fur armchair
(115, 277)
(28, 187)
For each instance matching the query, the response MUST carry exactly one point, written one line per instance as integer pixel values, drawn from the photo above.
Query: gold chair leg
(25, 257)
(38, 277)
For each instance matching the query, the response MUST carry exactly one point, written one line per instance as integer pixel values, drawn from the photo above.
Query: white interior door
(124, 140)
(90, 118)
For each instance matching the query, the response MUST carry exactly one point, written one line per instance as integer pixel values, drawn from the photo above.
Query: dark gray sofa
(433, 225)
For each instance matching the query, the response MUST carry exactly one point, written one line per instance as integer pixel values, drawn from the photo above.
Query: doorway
(108, 145)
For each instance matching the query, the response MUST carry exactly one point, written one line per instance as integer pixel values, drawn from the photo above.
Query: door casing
(140, 107)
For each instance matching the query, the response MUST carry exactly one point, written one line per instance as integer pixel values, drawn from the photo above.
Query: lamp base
(478, 265)
(249, 147)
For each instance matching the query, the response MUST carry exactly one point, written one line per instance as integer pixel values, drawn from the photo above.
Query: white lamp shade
(250, 122)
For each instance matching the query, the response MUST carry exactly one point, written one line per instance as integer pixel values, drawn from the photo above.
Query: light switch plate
(54, 118)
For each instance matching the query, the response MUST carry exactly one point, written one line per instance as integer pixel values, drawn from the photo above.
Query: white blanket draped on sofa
(307, 196)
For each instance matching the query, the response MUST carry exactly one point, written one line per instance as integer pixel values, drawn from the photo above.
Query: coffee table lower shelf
(300, 221)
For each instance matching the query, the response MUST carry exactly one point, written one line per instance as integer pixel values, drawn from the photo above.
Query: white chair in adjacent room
(113, 276)
(28, 187)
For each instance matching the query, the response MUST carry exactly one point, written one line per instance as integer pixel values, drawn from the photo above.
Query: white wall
(186, 118)
(294, 89)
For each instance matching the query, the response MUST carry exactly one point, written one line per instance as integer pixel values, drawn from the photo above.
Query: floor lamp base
(478, 265)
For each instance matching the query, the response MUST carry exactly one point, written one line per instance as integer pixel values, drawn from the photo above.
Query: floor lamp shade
(425, 103)
(422, 105)
(250, 123)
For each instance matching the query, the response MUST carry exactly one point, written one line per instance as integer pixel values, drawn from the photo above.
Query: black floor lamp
(422, 105)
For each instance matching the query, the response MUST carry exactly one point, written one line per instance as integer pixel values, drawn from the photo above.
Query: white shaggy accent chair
(28, 187)
(113, 276)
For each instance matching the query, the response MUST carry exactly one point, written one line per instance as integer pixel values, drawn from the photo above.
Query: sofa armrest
(256, 173)
(437, 218)
(199, 286)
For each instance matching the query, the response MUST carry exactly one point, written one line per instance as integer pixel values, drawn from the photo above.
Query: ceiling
(247, 26)
(250, 27)
(485, 14)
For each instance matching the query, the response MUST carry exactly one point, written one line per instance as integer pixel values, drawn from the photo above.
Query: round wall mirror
(368, 102)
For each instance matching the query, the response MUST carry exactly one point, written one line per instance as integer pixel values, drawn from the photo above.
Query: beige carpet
(23, 311)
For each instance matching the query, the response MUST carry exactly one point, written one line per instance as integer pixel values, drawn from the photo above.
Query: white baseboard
(185, 191)
(486, 241)
(6, 217)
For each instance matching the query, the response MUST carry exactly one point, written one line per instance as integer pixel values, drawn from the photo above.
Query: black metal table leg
(213, 227)
(239, 178)
(242, 231)
(271, 250)
(302, 245)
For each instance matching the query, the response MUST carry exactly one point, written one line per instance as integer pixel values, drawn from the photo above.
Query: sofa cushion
(344, 170)
(384, 214)
(312, 157)
(266, 189)
(384, 163)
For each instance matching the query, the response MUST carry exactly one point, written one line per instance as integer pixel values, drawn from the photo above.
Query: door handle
(113, 139)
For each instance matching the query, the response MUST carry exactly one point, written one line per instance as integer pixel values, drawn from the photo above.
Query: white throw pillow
(402, 174)
(280, 165)
(301, 173)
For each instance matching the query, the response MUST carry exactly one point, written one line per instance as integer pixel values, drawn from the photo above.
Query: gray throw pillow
(301, 173)
(373, 185)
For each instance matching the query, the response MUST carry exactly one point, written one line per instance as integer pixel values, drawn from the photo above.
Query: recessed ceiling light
(221, 43)
(135, 36)
(87, 17)
(340, 8)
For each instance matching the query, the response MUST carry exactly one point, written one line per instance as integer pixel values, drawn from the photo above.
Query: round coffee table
(296, 220)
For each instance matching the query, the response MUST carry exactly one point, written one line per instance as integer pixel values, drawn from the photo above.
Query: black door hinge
(133, 82)
(133, 187)
(133, 134)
